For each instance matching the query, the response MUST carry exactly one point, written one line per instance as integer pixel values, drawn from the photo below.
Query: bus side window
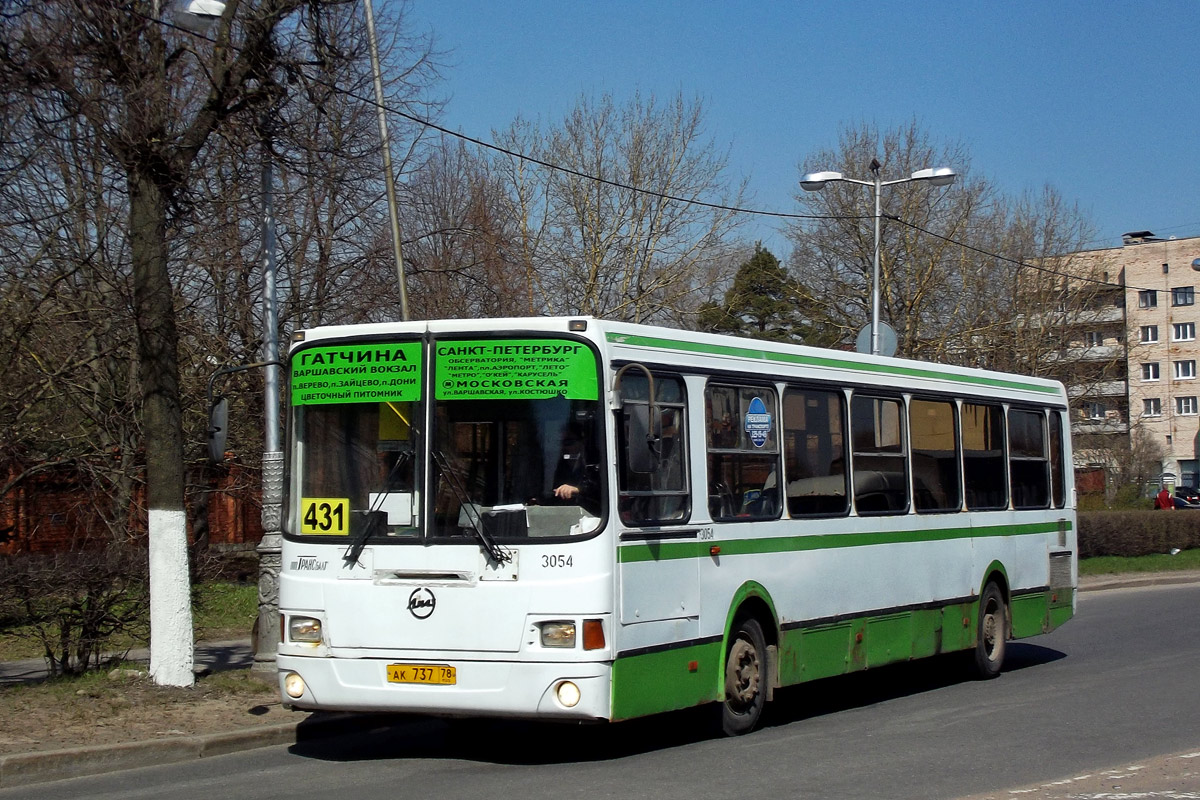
(814, 424)
(743, 452)
(932, 432)
(880, 463)
(983, 456)
(1058, 484)
(656, 493)
(1028, 465)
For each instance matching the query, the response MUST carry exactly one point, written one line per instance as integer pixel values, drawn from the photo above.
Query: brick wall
(52, 512)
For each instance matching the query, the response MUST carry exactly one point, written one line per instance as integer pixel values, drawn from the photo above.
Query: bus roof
(624, 341)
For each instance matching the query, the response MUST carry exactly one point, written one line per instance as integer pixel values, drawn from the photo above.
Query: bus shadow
(895, 681)
(505, 742)
(353, 738)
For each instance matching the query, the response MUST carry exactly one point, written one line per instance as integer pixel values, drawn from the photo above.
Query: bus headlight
(293, 684)
(558, 634)
(568, 694)
(304, 629)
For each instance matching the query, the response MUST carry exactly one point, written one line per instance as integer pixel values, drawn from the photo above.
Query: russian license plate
(438, 674)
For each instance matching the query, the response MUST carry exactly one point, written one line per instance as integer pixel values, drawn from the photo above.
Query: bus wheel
(993, 630)
(745, 679)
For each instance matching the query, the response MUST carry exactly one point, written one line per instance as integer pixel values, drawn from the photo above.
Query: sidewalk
(22, 769)
(209, 657)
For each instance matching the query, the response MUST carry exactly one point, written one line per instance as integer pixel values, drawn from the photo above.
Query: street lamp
(815, 181)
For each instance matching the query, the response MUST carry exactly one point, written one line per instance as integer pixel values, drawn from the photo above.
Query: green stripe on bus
(666, 680)
(666, 551)
(821, 361)
(651, 683)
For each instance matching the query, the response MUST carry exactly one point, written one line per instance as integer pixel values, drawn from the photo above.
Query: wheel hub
(742, 678)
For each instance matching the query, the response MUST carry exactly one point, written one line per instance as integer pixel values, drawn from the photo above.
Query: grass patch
(1159, 562)
(224, 610)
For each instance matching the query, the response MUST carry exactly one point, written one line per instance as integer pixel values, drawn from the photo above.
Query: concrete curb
(1097, 583)
(24, 769)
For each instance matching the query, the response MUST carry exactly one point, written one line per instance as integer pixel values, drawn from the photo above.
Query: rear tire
(992, 633)
(745, 679)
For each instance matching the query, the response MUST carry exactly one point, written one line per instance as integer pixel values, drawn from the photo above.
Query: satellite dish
(887, 340)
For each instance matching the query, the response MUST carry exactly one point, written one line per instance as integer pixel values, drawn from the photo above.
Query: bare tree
(615, 233)
(464, 252)
(155, 103)
(966, 274)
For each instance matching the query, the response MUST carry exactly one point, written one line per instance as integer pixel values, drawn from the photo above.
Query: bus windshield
(517, 439)
(509, 448)
(356, 416)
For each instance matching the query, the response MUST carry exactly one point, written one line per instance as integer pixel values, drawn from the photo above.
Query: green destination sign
(512, 369)
(356, 373)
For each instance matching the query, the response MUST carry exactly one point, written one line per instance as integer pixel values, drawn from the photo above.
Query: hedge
(1137, 533)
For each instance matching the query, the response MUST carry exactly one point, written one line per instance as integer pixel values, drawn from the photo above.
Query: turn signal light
(593, 635)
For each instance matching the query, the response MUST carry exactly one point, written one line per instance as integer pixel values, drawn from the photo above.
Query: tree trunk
(171, 653)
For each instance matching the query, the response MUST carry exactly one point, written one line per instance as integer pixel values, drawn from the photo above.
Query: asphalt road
(1120, 682)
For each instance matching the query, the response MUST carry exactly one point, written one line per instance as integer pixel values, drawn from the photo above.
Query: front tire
(745, 679)
(992, 633)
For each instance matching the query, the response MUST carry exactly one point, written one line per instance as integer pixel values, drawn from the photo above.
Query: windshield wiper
(494, 551)
(359, 542)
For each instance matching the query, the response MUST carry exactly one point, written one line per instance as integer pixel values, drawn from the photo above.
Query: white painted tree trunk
(171, 646)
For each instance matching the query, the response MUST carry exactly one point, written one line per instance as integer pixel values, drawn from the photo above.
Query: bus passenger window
(1028, 466)
(661, 495)
(1057, 480)
(814, 424)
(743, 453)
(983, 456)
(880, 465)
(936, 485)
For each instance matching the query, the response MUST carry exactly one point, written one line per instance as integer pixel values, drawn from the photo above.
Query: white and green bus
(574, 519)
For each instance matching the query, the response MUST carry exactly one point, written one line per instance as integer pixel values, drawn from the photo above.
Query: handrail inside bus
(652, 439)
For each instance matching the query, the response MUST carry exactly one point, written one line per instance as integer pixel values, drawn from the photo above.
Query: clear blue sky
(1100, 100)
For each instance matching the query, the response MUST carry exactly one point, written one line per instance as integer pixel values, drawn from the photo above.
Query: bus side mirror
(218, 430)
(640, 450)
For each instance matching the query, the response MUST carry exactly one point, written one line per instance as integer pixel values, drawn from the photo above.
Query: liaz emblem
(421, 603)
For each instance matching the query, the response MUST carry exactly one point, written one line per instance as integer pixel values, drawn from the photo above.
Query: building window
(1150, 371)
(1093, 339)
(1093, 410)
(1183, 331)
(1183, 296)
(1149, 334)
(1188, 472)
(1185, 405)
(1185, 369)
(1148, 298)
(1152, 407)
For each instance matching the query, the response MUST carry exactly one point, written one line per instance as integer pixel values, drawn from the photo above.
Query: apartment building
(1140, 332)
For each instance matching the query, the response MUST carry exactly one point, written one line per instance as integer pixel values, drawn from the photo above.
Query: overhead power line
(371, 101)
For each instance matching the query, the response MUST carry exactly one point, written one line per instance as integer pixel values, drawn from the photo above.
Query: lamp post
(389, 179)
(815, 181)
